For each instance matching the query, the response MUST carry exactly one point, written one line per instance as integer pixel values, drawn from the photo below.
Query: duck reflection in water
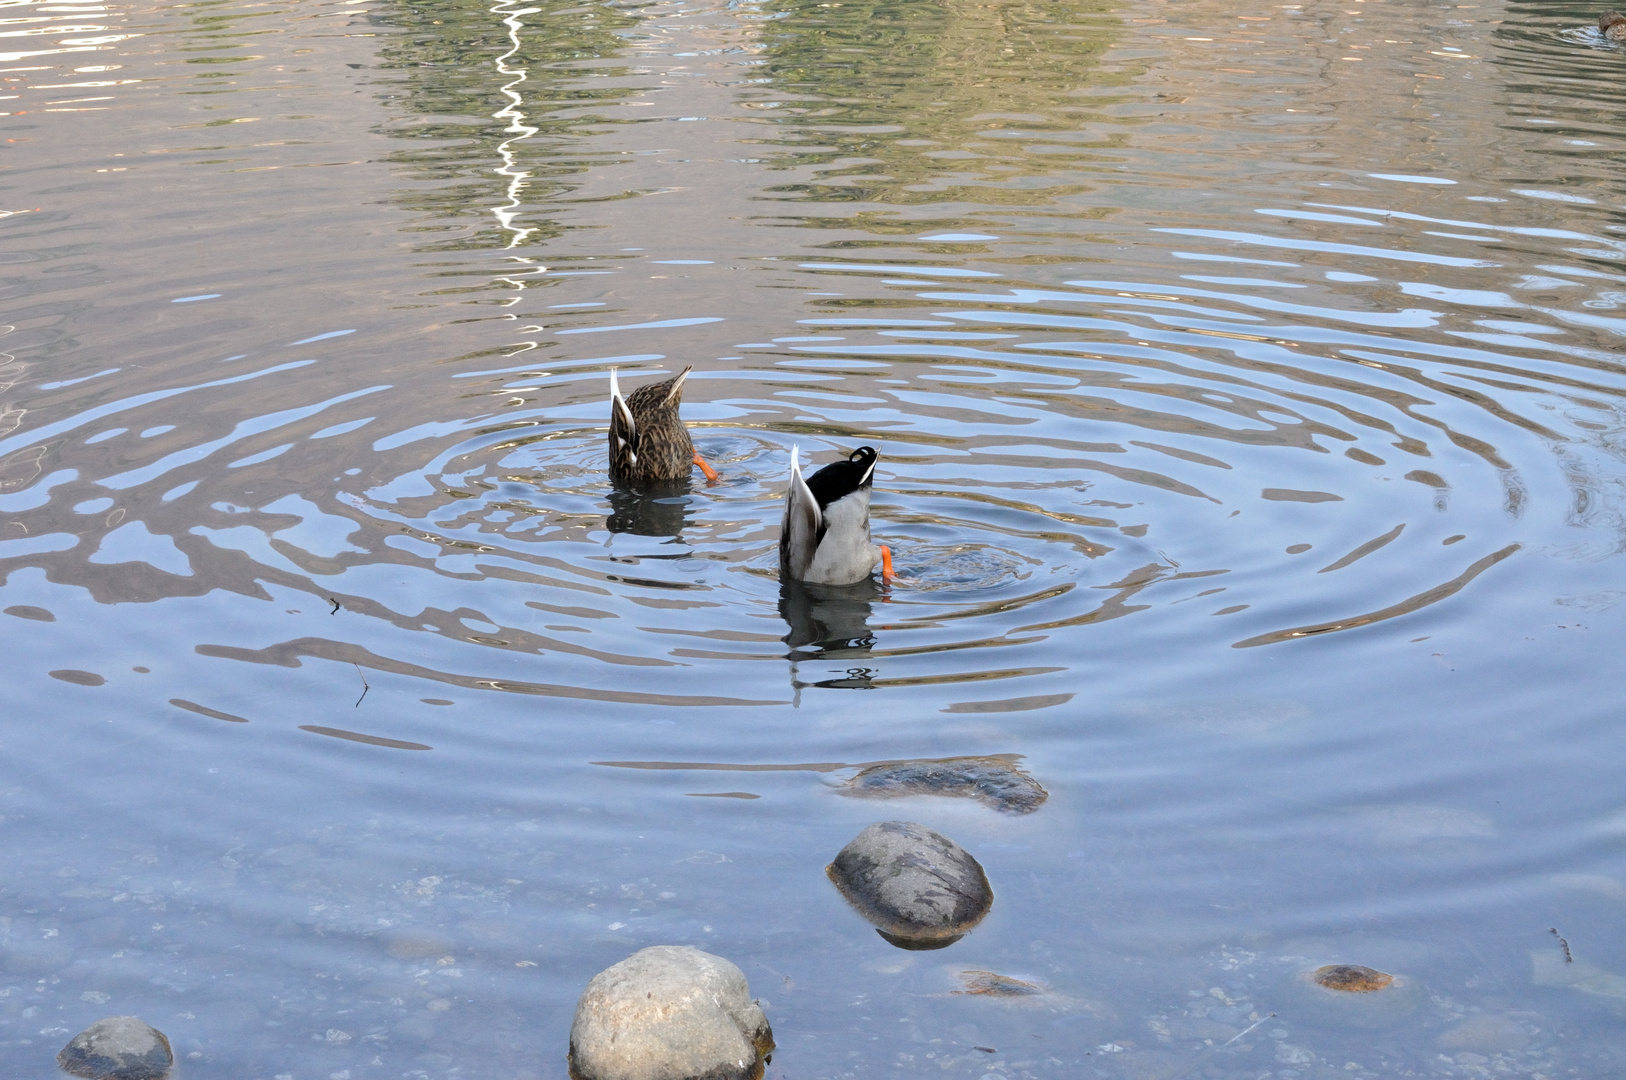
(829, 623)
(651, 508)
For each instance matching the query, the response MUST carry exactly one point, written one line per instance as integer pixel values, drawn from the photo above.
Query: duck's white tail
(799, 535)
(622, 428)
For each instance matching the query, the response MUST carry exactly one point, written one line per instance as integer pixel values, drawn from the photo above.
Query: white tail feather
(799, 533)
(622, 426)
(619, 411)
(677, 385)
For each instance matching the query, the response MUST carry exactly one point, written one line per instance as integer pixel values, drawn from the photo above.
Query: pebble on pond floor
(409, 944)
(1549, 968)
(1488, 1033)
(669, 1012)
(118, 1048)
(77, 677)
(1352, 978)
(919, 888)
(996, 985)
(994, 781)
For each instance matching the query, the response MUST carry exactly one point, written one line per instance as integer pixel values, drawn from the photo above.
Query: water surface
(1250, 402)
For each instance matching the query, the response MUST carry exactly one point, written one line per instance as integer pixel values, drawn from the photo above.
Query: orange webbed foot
(711, 473)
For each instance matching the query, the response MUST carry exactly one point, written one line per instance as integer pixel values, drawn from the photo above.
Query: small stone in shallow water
(416, 944)
(1352, 978)
(118, 1048)
(669, 1012)
(1487, 1034)
(919, 888)
(77, 677)
(992, 781)
(995, 985)
(28, 611)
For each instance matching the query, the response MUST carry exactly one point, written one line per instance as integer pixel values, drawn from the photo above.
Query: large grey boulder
(118, 1048)
(919, 888)
(669, 1012)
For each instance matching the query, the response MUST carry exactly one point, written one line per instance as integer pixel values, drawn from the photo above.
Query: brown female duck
(647, 438)
(1612, 25)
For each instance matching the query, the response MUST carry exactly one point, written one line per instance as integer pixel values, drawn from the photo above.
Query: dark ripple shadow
(828, 621)
(649, 510)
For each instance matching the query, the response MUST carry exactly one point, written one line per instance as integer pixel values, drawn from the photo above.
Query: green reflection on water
(929, 99)
(893, 103)
(500, 97)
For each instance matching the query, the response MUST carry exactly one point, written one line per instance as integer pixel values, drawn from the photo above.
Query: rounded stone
(669, 1012)
(118, 1048)
(1331, 994)
(1352, 978)
(919, 888)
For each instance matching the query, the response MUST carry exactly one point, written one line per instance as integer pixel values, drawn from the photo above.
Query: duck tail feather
(799, 535)
(676, 392)
(623, 429)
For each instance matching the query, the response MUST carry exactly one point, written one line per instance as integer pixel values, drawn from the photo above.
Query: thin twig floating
(1245, 1030)
(335, 604)
(1568, 959)
(364, 684)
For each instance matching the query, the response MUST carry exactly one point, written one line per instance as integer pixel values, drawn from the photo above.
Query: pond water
(1250, 393)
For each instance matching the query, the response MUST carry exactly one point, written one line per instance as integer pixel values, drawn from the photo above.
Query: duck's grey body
(647, 438)
(1612, 25)
(825, 538)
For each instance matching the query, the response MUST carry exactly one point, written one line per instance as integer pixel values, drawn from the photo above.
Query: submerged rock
(919, 888)
(992, 781)
(669, 1012)
(1488, 1034)
(416, 944)
(1351, 978)
(993, 984)
(118, 1048)
(1551, 969)
(1353, 996)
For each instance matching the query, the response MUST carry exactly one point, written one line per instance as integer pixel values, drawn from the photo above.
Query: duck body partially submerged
(825, 536)
(648, 440)
(1612, 25)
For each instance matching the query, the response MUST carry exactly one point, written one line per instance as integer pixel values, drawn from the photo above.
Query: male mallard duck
(647, 438)
(825, 537)
(1612, 25)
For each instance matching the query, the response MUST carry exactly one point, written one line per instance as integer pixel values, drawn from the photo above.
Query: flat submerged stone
(993, 781)
(1352, 978)
(919, 888)
(669, 1012)
(118, 1048)
(993, 984)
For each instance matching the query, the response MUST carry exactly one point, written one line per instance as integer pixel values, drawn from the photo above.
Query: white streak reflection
(518, 129)
(517, 177)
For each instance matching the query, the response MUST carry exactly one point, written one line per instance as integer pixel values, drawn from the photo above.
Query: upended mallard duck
(1612, 25)
(825, 537)
(648, 441)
